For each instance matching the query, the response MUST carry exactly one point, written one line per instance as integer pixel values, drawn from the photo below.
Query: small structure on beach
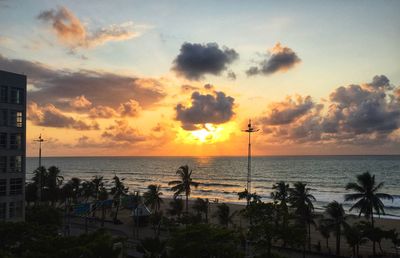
(141, 214)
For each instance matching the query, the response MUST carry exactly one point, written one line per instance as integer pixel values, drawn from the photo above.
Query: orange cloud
(51, 116)
(71, 32)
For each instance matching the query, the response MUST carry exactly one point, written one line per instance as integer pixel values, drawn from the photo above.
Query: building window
(3, 117)
(3, 140)
(3, 94)
(3, 164)
(15, 141)
(16, 118)
(19, 119)
(15, 186)
(3, 187)
(15, 209)
(15, 164)
(16, 96)
(3, 208)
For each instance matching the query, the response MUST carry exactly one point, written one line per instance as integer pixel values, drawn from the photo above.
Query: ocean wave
(219, 184)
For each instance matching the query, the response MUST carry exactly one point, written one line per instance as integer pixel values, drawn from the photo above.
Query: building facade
(12, 146)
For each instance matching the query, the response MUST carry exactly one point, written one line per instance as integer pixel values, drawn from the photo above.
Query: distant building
(12, 146)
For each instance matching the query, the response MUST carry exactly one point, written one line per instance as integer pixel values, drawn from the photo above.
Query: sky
(182, 78)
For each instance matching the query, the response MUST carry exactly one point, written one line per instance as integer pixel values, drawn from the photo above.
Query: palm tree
(367, 198)
(281, 195)
(336, 220)
(223, 214)
(54, 182)
(395, 238)
(97, 183)
(153, 197)
(40, 179)
(118, 190)
(87, 190)
(76, 188)
(184, 185)
(355, 237)
(249, 197)
(301, 200)
(325, 232)
(201, 206)
(103, 196)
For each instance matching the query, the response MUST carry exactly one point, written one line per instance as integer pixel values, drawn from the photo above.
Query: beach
(128, 228)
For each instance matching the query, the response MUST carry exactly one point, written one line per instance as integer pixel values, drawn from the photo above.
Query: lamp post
(249, 130)
(40, 140)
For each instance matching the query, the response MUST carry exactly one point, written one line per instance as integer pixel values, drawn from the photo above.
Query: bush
(44, 215)
(203, 240)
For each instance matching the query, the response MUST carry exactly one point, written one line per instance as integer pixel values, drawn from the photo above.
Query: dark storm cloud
(380, 81)
(59, 87)
(357, 114)
(288, 111)
(362, 110)
(207, 108)
(281, 59)
(196, 60)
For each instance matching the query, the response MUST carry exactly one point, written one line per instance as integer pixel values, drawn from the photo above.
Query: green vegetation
(203, 240)
(335, 221)
(184, 184)
(38, 238)
(367, 198)
(153, 197)
(286, 222)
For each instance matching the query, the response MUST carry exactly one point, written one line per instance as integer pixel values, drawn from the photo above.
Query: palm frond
(355, 187)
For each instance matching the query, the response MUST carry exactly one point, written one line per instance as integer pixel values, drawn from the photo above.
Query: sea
(221, 178)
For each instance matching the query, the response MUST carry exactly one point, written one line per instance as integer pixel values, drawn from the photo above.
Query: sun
(210, 133)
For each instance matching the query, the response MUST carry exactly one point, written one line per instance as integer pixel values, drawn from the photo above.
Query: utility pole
(40, 140)
(249, 130)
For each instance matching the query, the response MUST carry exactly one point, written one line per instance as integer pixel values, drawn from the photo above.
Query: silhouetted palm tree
(87, 190)
(336, 220)
(367, 198)
(103, 196)
(201, 206)
(325, 232)
(39, 178)
(249, 197)
(54, 182)
(153, 197)
(355, 237)
(223, 214)
(184, 185)
(302, 201)
(76, 188)
(97, 183)
(118, 190)
(281, 195)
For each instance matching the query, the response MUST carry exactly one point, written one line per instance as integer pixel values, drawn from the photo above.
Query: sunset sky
(183, 77)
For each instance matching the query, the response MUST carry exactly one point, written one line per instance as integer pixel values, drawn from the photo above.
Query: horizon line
(200, 156)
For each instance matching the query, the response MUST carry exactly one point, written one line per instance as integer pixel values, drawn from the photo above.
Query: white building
(12, 146)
